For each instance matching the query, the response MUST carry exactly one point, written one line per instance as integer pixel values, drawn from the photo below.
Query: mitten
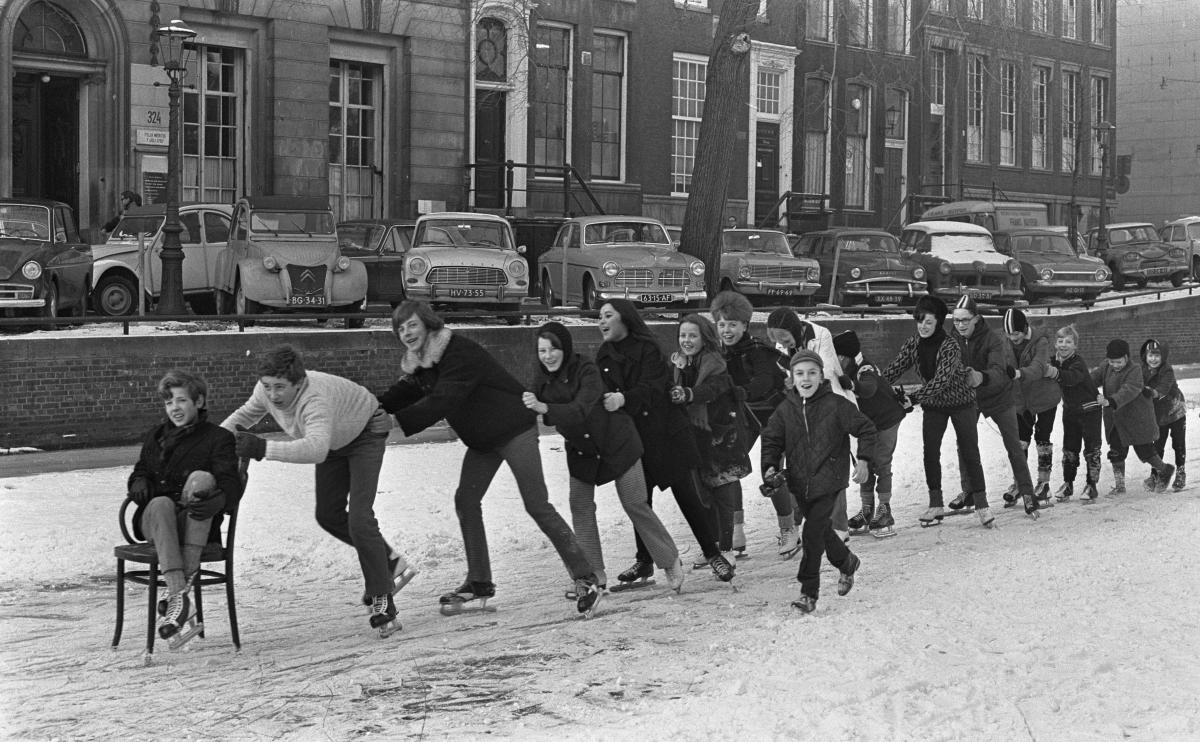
(203, 509)
(681, 395)
(846, 382)
(250, 446)
(774, 483)
(906, 402)
(1147, 392)
(139, 491)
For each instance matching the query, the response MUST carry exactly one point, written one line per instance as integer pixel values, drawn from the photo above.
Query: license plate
(306, 301)
(780, 292)
(467, 293)
(656, 298)
(1156, 271)
(979, 293)
(888, 298)
(1076, 290)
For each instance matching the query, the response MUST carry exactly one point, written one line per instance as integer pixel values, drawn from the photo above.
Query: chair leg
(120, 602)
(199, 607)
(151, 622)
(237, 642)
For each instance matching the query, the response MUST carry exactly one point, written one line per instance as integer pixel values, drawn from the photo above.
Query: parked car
(759, 264)
(1184, 233)
(381, 245)
(862, 266)
(597, 258)
(1134, 253)
(1050, 267)
(45, 267)
(115, 275)
(960, 259)
(282, 256)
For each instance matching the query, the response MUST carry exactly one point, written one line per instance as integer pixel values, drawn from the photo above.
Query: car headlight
(1046, 274)
(1178, 253)
(341, 264)
(1101, 275)
(517, 267)
(814, 274)
(417, 266)
(697, 268)
(743, 271)
(944, 269)
(855, 272)
(1014, 267)
(31, 270)
(1131, 257)
(270, 263)
(610, 269)
(919, 273)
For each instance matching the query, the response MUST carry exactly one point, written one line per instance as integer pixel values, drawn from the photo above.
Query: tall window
(354, 149)
(975, 10)
(858, 22)
(548, 95)
(816, 135)
(975, 101)
(1008, 12)
(1039, 117)
(898, 20)
(48, 29)
(767, 91)
(608, 105)
(1070, 19)
(1039, 15)
(687, 108)
(937, 78)
(1100, 19)
(818, 19)
(896, 114)
(491, 51)
(211, 122)
(1099, 114)
(1008, 113)
(858, 157)
(1070, 119)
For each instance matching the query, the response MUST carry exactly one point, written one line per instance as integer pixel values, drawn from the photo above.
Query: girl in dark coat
(702, 385)
(636, 377)
(1037, 397)
(1170, 410)
(1128, 415)
(601, 447)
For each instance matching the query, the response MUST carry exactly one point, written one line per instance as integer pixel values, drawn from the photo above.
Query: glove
(250, 446)
(974, 378)
(1148, 393)
(846, 382)
(905, 401)
(206, 505)
(774, 483)
(139, 491)
(680, 395)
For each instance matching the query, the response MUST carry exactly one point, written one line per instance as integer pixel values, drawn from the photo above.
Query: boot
(1118, 487)
(1065, 491)
(1011, 497)
(1163, 475)
(883, 524)
(1180, 478)
(789, 536)
(1089, 494)
(861, 521)
(1150, 483)
(962, 502)
(640, 571)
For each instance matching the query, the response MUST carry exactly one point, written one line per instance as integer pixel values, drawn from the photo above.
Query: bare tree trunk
(724, 105)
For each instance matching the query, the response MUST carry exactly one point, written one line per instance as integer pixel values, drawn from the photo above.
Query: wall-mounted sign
(151, 137)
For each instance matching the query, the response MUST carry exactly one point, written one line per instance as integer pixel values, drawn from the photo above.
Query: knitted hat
(1152, 346)
(732, 306)
(967, 303)
(930, 304)
(1015, 321)
(846, 344)
(1117, 348)
(805, 354)
(560, 333)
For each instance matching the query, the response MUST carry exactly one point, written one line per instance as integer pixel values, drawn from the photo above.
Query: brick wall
(90, 391)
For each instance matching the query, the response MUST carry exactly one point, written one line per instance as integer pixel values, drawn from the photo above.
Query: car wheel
(591, 299)
(1118, 280)
(244, 305)
(50, 308)
(1142, 283)
(354, 323)
(547, 291)
(204, 303)
(1177, 279)
(115, 296)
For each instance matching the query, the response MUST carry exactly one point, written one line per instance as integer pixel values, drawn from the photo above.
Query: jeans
(879, 472)
(178, 539)
(1006, 423)
(525, 461)
(819, 538)
(346, 484)
(1177, 430)
(933, 428)
(726, 499)
(631, 489)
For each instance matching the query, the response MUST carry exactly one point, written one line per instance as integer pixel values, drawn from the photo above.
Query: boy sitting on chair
(185, 477)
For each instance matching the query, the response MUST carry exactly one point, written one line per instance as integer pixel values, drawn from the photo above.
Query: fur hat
(732, 306)
(846, 344)
(805, 354)
(1117, 348)
(930, 304)
(967, 303)
(1015, 321)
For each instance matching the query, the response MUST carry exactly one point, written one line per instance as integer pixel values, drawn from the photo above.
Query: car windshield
(1042, 244)
(869, 243)
(464, 233)
(953, 244)
(608, 232)
(25, 221)
(131, 226)
(292, 223)
(767, 242)
(1132, 234)
(360, 236)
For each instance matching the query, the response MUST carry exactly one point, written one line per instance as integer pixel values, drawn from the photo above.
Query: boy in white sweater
(338, 425)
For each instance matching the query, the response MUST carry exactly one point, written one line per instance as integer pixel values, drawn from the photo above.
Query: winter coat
(991, 355)
(170, 454)
(1169, 403)
(637, 368)
(813, 435)
(875, 396)
(1129, 412)
(1035, 392)
(754, 367)
(601, 445)
(454, 378)
(718, 417)
(947, 389)
(1078, 388)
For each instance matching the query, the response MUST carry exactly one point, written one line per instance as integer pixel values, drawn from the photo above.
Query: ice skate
(675, 576)
(1163, 476)
(178, 623)
(932, 516)
(861, 522)
(572, 593)
(1041, 493)
(1150, 483)
(789, 541)
(1065, 492)
(961, 504)
(590, 592)
(1011, 497)
(470, 596)
(1180, 479)
(402, 574)
(721, 567)
(383, 615)
(1031, 505)
(883, 525)
(1089, 494)
(846, 578)
(1118, 488)
(806, 604)
(641, 574)
(986, 519)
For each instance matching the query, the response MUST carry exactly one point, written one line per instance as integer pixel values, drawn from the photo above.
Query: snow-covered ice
(1079, 626)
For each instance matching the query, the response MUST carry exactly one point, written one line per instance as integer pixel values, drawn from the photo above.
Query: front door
(45, 137)
(766, 173)
(490, 111)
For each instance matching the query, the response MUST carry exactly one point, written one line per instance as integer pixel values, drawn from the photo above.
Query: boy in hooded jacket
(1170, 410)
(808, 439)
(1128, 415)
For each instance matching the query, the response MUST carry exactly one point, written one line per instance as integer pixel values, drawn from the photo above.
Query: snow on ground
(1079, 626)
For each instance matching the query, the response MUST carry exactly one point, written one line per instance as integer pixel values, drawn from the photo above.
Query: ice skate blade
(405, 577)
(931, 522)
(641, 582)
(884, 532)
(186, 635)
(456, 609)
(1033, 514)
(389, 628)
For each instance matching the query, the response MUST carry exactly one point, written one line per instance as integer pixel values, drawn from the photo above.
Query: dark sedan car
(381, 246)
(862, 266)
(1050, 267)
(45, 268)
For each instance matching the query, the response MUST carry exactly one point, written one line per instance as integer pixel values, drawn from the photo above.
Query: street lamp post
(1104, 131)
(170, 301)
